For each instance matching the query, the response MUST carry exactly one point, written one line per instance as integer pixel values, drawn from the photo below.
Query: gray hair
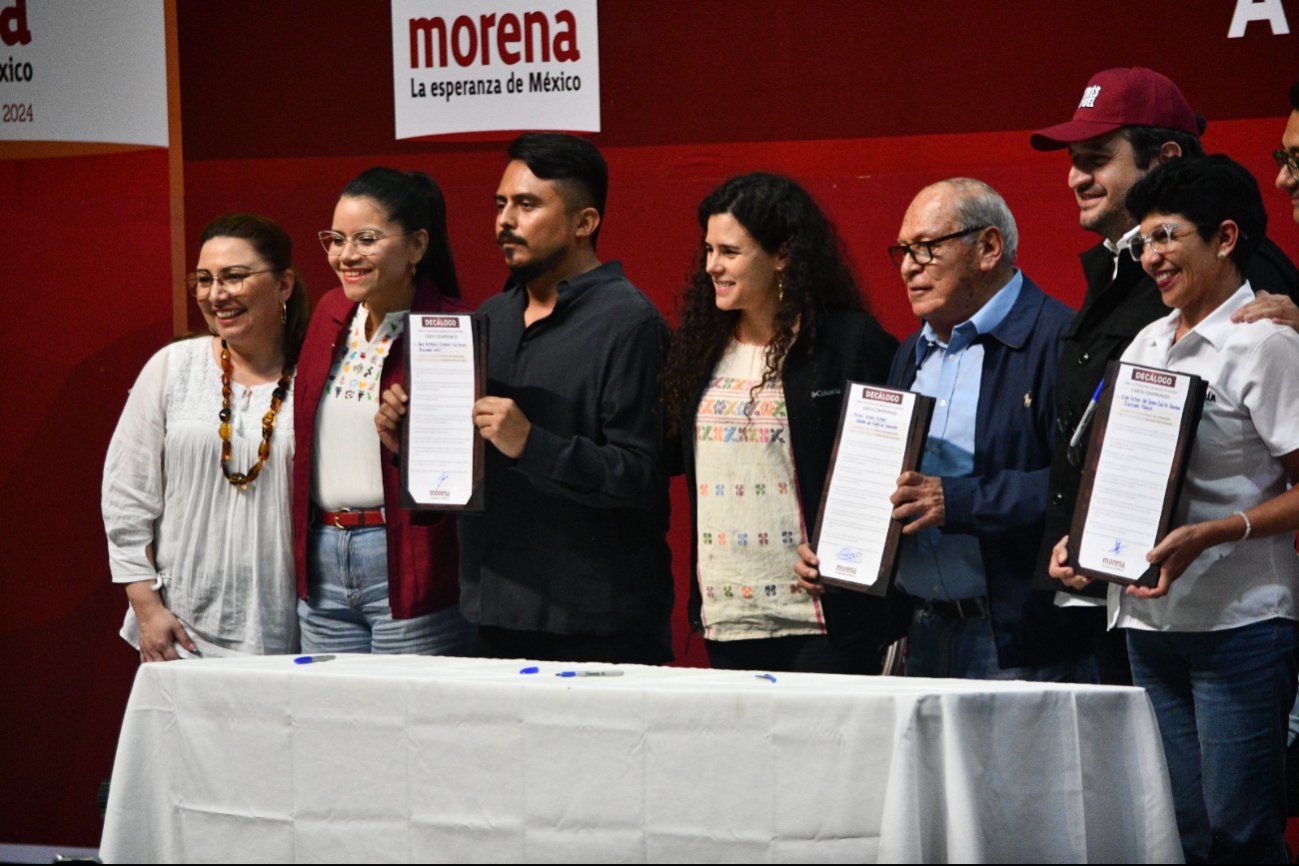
(978, 204)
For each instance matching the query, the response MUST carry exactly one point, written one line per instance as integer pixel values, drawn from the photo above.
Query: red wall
(864, 101)
(84, 273)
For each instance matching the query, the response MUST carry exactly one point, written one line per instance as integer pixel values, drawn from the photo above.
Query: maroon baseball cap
(1116, 98)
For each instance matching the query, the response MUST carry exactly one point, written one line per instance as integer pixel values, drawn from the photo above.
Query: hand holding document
(881, 433)
(441, 456)
(1141, 439)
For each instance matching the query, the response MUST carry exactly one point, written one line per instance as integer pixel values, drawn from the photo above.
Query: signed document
(1136, 461)
(881, 434)
(442, 456)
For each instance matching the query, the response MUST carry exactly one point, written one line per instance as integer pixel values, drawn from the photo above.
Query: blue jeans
(1223, 699)
(347, 611)
(944, 645)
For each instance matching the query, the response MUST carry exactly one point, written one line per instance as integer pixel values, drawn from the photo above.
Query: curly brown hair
(781, 216)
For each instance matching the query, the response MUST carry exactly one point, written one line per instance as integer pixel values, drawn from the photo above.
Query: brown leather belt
(349, 518)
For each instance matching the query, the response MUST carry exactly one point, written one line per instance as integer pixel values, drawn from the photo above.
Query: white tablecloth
(468, 760)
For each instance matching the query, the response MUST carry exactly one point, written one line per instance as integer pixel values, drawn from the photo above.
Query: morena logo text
(13, 24)
(529, 37)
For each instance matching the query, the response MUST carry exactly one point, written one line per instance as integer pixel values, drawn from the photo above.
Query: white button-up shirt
(1250, 420)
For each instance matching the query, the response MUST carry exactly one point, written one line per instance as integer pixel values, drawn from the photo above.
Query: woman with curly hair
(772, 326)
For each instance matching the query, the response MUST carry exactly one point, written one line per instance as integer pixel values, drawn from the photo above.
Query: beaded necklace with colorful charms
(243, 479)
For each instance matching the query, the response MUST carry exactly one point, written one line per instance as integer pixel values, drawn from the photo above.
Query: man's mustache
(510, 238)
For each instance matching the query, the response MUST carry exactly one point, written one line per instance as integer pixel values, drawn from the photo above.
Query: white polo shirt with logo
(1250, 420)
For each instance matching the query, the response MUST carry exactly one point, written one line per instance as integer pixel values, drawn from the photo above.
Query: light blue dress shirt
(934, 565)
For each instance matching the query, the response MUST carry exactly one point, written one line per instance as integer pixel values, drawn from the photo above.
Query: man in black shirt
(569, 561)
(1127, 122)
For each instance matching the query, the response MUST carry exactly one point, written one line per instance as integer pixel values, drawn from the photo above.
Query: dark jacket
(573, 537)
(849, 346)
(421, 547)
(1001, 503)
(1114, 310)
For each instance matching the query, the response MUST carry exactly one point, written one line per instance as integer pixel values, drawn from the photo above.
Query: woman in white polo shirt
(1214, 642)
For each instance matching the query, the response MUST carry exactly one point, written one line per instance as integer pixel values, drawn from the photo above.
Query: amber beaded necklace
(243, 479)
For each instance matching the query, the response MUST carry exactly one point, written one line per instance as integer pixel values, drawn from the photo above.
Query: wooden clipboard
(478, 330)
(875, 581)
(1172, 472)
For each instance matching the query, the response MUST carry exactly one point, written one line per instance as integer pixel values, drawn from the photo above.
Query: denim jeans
(1223, 699)
(346, 609)
(944, 645)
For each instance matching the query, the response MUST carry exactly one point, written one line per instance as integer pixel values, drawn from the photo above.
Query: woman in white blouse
(1214, 642)
(197, 482)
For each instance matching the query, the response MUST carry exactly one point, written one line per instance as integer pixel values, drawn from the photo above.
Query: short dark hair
(574, 162)
(1147, 140)
(1294, 96)
(273, 244)
(413, 201)
(1206, 190)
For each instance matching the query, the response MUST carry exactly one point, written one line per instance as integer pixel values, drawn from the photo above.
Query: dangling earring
(284, 312)
(780, 286)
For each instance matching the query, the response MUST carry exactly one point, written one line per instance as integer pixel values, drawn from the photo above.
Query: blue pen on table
(531, 669)
(771, 678)
(589, 674)
(307, 660)
(1076, 439)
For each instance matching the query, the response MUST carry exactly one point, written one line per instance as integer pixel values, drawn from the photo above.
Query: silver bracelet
(1249, 527)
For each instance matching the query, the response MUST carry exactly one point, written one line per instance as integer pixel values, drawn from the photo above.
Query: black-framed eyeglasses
(1289, 160)
(922, 252)
(200, 283)
(365, 243)
(1158, 240)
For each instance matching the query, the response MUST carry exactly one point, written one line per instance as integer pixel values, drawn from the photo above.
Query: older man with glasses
(987, 355)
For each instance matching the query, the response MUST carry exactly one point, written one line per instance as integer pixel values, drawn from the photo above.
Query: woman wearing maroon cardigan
(372, 577)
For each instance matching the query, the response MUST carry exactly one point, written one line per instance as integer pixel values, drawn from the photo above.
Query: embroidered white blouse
(749, 520)
(224, 555)
(346, 471)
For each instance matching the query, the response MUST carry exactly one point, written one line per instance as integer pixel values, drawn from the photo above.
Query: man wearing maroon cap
(1127, 122)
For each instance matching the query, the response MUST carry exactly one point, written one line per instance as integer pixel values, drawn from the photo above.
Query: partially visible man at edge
(1287, 158)
(1128, 121)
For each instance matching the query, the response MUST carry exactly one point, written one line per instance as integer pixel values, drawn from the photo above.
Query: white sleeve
(1270, 390)
(133, 488)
